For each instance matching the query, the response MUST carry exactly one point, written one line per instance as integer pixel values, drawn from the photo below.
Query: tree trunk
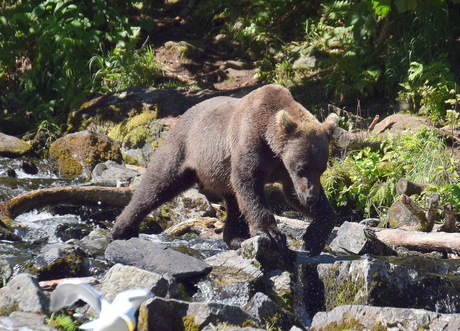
(112, 196)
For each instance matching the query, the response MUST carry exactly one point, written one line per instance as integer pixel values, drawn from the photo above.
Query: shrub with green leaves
(45, 47)
(365, 180)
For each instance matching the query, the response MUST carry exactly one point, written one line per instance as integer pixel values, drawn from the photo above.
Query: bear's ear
(285, 123)
(331, 125)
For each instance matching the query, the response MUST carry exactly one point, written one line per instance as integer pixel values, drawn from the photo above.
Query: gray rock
(24, 294)
(233, 280)
(357, 239)
(399, 215)
(170, 314)
(113, 174)
(24, 322)
(12, 147)
(5, 270)
(96, 242)
(59, 260)
(268, 313)
(156, 258)
(384, 318)
(255, 248)
(305, 62)
(121, 278)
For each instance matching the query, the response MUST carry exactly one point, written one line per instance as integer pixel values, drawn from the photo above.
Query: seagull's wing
(131, 299)
(69, 291)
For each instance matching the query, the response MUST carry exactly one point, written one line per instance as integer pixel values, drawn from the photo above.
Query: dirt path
(189, 55)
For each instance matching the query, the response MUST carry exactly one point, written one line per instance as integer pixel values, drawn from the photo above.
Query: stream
(38, 228)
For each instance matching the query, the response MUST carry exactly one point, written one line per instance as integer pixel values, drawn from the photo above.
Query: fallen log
(420, 241)
(112, 196)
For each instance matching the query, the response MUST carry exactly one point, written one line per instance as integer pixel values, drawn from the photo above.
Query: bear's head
(305, 152)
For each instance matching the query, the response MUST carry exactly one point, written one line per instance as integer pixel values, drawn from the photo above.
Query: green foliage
(45, 47)
(62, 322)
(124, 68)
(365, 180)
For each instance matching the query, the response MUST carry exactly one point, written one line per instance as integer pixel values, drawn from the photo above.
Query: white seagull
(116, 316)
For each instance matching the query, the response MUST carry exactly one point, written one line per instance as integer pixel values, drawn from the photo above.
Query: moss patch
(135, 132)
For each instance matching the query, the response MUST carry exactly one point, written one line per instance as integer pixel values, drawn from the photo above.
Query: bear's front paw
(124, 233)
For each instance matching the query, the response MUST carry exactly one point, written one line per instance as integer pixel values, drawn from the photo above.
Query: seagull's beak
(131, 326)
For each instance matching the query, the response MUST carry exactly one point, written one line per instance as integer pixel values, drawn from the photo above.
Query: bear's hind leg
(236, 228)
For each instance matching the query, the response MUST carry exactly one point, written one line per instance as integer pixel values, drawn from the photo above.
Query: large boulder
(13, 147)
(360, 317)
(23, 293)
(357, 239)
(414, 282)
(233, 280)
(170, 314)
(121, 278)
(76, 155)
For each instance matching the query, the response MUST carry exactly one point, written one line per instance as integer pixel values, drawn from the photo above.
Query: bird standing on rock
(116, 316)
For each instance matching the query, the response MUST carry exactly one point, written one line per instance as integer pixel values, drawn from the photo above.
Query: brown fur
(233, 147)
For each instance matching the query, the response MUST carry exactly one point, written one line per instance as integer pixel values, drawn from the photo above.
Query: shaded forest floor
(192, 56)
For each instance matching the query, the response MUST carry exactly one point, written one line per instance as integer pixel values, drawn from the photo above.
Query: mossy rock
(77, 154)
(13, 147)
(134, 132)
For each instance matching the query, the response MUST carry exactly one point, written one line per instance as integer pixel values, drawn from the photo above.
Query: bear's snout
(307, 192)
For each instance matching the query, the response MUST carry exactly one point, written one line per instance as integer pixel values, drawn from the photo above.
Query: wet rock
(268, 313)
(5, 270)
(357, 239)
(13, 147)
(113, 174)
(121, 278)
(170, 314)
(29, 167)
(76, 154)
(96, 242)
(6, 233)
(361, 317)
(24, 322)
(69, 231)
(58, 261)
(411, 283)
(233, 280)
(156, 258)
(23, 293)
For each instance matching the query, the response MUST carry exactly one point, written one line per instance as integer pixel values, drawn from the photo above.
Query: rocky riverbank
(56, 222)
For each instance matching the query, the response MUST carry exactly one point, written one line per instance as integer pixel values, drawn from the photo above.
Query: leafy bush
(365, 180)
(45, 47)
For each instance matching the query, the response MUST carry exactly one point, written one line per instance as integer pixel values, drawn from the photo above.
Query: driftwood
(407, 187)
(420, 241)
(449, 219)
(112, 196)
(426, 219)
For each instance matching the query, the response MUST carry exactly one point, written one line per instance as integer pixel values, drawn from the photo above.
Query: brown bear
(233, 147)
